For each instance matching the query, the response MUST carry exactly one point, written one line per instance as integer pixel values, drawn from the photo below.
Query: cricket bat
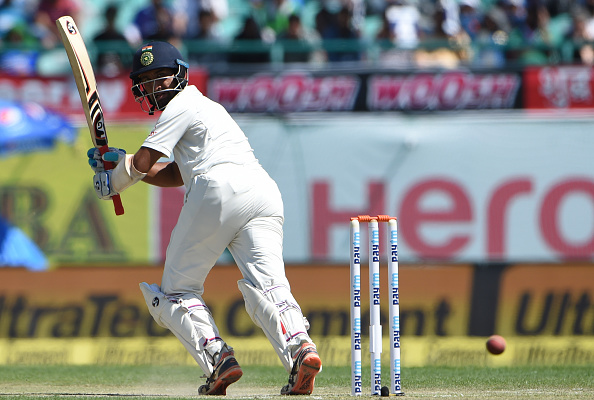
(87, 89)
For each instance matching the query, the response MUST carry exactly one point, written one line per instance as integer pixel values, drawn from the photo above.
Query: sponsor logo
(377, 375)
(394, 289)
(396, 333)
(357, 297)
(394, 245)
(449, 91)
(155, 302)
(560, 87)
(358, 379)
(376, 289)
(98, 121)
(285, 93)
(71, 28)
(375, 246)
(357, 335)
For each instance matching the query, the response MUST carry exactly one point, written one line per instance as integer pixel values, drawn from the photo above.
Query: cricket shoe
(225, 373)
(306, 365)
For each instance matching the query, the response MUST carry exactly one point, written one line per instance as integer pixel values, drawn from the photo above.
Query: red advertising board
(565, 87)
(302, 91)
(291, 92)
(365, 91)
(447, 91)
(60, 94)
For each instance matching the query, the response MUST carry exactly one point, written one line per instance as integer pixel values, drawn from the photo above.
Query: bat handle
(117, 201)
(117, 204)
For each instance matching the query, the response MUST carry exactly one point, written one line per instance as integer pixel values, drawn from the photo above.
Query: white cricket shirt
(200, 134)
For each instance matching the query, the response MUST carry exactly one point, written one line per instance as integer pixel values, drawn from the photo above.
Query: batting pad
(189, 320)
(278, 315)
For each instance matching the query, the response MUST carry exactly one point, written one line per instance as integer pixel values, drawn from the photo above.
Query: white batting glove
(96, 160)
(103, 185)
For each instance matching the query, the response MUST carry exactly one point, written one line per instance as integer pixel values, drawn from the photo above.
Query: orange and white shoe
(306, 365)
(226, 372)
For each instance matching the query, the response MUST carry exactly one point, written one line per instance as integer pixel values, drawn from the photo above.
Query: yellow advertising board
(106, 302)
(547, 299)
(98, 315)
(49, 195)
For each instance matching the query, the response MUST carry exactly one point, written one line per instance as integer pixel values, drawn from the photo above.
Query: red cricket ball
(496, 344)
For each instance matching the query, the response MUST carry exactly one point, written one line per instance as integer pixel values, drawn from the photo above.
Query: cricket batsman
(230, 202)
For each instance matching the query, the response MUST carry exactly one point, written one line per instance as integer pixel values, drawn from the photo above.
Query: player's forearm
(164, 174)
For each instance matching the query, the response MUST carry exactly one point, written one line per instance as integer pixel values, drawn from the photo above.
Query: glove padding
(103, 185)
(109, 183)
(114, 155)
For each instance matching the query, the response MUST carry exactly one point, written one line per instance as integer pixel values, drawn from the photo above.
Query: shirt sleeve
(169, 129)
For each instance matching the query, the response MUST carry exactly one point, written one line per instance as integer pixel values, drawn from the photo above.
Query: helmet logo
(146, 58)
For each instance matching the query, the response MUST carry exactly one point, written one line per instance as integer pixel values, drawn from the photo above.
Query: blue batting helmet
(156, 55)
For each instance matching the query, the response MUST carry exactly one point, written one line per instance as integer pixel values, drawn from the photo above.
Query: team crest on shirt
(146, 58)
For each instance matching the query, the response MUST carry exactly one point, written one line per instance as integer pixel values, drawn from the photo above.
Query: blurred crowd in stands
(388, 33)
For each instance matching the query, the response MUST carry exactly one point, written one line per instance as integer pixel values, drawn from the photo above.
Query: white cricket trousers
(234, 206)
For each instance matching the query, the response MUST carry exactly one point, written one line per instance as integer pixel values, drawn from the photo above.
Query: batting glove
(103, 185)
(96, 160)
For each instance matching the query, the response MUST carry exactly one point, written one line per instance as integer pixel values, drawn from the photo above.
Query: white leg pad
(276, 312)
(189, 320)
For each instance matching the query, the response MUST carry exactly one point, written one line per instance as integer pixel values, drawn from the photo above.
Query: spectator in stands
(559, 7)
(531, 42)
(298, 41)
(48, 12)
(20, 53)
(115, 53)
(450, 44)
(334, 28)
(588, 6)
(515, 11)
(580, 38)
(403, 20)
(392, 54)
(385, 32)
(324, 22)
(207, 22)
(185, 25)
(470, 17)
(492, 39)
(273, 15)
(250, 36)
(12, 13)
(220, 8)
(18, 43)
(375, 7)
(184, 12)
(155, 22)
(207, 32)
(19, 36)
(589, 12)
(346, 30)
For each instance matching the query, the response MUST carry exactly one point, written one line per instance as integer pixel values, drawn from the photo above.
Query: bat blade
(84, 77)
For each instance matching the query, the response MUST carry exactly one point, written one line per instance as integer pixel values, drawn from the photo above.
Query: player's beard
(161, 100)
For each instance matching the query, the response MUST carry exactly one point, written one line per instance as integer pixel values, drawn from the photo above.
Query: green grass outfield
(172, 382)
